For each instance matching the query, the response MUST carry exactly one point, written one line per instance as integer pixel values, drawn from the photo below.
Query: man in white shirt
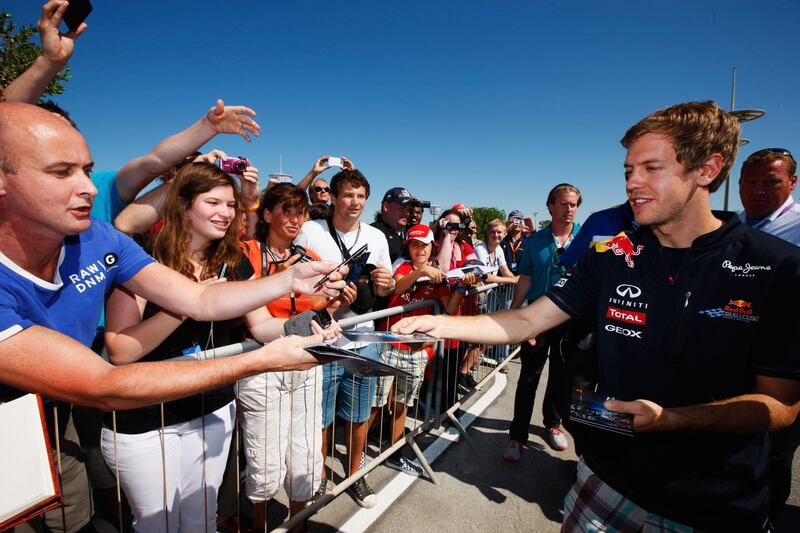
(765, 186)
(345, 395)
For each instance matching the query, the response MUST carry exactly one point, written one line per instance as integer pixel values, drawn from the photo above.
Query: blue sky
(486, 103)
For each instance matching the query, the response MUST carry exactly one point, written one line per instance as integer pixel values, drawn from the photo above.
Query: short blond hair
(697, 130)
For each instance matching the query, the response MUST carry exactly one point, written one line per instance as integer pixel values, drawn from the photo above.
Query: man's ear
(792, 182)
(709, 170)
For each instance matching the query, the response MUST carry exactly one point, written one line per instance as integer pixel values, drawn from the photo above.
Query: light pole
(744, 115)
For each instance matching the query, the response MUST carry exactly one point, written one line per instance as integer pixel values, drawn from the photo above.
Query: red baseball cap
(459, 207)
(421, 233)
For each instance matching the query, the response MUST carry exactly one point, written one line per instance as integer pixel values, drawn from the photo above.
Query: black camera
(424, 204)
(296, 249)
(454, 226)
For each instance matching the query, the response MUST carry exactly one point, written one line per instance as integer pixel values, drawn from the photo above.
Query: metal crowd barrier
(441, 399)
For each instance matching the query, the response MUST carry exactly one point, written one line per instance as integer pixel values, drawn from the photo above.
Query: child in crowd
(412, 287)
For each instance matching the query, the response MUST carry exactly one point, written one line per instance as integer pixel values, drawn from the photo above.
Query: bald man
(56, 266)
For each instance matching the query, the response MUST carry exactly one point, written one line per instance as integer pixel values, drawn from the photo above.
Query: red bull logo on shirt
(739, 306)
(621, 245)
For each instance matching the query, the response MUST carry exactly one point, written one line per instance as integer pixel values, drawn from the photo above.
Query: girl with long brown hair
(172, 456)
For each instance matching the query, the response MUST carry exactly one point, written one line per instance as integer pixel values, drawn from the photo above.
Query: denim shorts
(349, 394)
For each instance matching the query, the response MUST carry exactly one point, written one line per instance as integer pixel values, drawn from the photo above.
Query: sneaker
(320, 492)
(513, 451)
(405, 465)
(363, 494)
(556, 439)
(466, 382)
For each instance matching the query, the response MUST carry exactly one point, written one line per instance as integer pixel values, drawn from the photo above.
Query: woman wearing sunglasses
(280, 412)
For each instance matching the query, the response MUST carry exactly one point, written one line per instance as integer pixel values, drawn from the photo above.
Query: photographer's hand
(347, 164)
(56, 47)
(210, 157)
(233, 119)
(319, 166)
(249, 180)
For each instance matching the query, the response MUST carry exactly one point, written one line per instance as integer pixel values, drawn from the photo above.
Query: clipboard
(30, 485)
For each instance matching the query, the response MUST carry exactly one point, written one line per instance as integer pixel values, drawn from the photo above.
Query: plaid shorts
(407, 389)
(593, 506)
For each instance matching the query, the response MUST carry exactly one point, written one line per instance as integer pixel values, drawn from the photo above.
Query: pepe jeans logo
(746, 270)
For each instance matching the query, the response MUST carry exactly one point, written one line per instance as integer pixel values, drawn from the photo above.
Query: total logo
(630, 317)
(623, 331)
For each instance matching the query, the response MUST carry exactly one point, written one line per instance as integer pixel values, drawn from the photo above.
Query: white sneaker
(556, 439)
(513, 451)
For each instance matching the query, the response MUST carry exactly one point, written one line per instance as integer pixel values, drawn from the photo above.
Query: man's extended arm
(56, 51)
(507, 327)
(176, 293)
(773, 404)
(137, 173)
(44, 361)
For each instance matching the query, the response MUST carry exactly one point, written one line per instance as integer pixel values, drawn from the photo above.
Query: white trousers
(280, 414)
(141, 472)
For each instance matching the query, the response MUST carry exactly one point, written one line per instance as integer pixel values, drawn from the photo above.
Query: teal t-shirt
(107, 204)
(542, 261)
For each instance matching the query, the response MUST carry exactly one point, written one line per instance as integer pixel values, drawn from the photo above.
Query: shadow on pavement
(539, 477)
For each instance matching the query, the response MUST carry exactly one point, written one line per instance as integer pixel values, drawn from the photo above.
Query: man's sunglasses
(779, 151)
(322, 189)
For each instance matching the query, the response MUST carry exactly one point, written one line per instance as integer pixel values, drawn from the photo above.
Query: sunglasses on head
(779, 151)
(322, 189)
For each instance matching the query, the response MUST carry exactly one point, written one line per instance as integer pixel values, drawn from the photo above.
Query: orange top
(289, 304)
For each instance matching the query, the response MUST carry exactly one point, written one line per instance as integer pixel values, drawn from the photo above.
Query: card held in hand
(587, 408)
(353, 361)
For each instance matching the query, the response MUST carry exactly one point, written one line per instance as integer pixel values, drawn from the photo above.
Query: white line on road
(364, 518)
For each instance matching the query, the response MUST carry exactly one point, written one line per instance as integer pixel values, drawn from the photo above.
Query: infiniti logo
(629, 291)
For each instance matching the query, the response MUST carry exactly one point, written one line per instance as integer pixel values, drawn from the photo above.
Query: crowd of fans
(235, 262)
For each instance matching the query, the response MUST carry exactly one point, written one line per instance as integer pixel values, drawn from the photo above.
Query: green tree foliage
(544, 223)
(484, 215)
(18, 53)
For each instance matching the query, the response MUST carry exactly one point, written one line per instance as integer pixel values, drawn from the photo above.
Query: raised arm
(137, 173)
(318, 168)
(57, 48)
(506, 327)
(143, 212)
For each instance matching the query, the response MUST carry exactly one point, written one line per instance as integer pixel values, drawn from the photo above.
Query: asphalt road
(477, 490)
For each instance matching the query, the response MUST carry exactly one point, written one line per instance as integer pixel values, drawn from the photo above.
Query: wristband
(252, 208)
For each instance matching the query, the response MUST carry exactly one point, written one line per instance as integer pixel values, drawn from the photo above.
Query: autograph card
(354, 362)
(587, 408)
(365, 335)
